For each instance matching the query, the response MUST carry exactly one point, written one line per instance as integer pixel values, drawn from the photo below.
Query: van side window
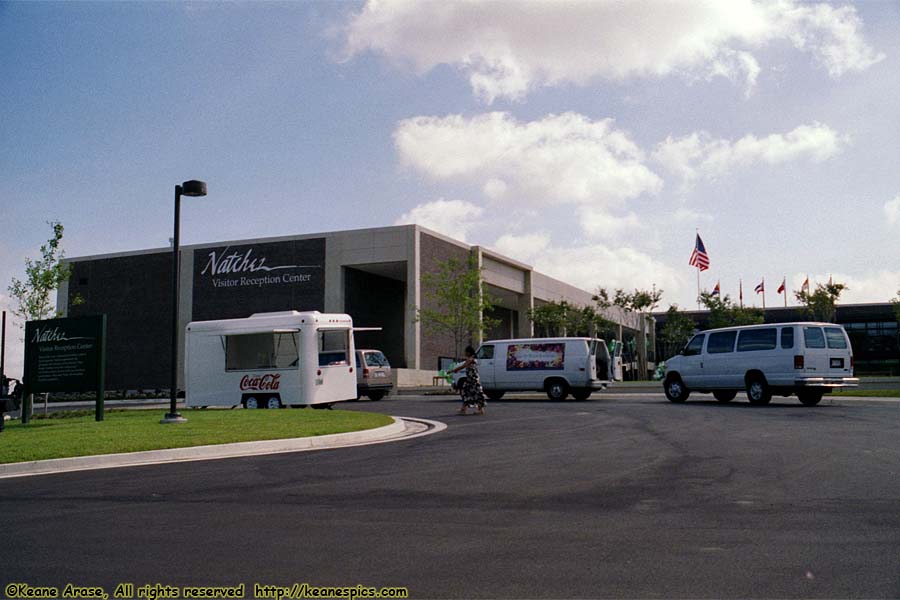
(694, 346)
(757, 339)
(721, 342)
(485, 352)
(835, 338)
(787, 337)
(814, 337)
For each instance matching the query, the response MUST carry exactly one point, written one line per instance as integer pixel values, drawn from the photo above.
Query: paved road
(619, 496)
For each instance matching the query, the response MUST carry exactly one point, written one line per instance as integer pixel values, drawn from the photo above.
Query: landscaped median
(135, 430)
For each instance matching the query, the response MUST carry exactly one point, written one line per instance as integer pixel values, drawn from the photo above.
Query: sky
(591, 140)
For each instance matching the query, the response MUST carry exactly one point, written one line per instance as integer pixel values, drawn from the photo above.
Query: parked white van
(556, 366)
(807, 359)
(270, 360)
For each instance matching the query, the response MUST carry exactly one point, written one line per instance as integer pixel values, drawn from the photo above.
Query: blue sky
(590, 140)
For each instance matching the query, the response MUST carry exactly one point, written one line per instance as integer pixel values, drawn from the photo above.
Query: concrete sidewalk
(401, 429)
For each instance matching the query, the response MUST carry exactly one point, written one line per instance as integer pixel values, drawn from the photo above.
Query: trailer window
(261, 351)
(334, 347)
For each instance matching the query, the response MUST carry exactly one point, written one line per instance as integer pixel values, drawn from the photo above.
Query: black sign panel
(236, 281)
(64, 355)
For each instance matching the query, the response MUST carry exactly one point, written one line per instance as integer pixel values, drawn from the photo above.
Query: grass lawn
(869, 393)
(135, 430)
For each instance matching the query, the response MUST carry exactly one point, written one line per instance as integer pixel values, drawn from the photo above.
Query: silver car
(373, 374)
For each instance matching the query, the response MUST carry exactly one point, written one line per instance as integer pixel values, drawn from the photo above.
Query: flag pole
(698, 287)
(741, 291)
(764, 292)
(784, 283)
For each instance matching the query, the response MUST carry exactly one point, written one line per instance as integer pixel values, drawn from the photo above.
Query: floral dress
(471, 392)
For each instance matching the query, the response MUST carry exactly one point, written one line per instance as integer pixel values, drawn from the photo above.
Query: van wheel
(273, 402)
(724, 395)
(494, 394)
(758, 391)
(251, 402)
(557, 389)
(581, 394)
(809, 398)
(675, 390)
(376, 396)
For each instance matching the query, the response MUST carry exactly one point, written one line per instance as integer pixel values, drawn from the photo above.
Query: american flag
(699, 257)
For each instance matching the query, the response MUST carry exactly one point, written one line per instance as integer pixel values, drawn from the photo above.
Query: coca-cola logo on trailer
(260, 382)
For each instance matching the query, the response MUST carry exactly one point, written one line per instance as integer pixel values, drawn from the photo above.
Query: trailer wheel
(273, 402)
(251, 402)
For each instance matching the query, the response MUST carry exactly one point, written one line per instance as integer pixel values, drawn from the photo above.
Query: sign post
(65, 355)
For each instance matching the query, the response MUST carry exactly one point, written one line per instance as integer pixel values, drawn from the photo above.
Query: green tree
(639, 301)
(724, 313)
(896, 303)
(42, 276)
(677, 331)
(455, 303)
(821, 304)
(564, 318)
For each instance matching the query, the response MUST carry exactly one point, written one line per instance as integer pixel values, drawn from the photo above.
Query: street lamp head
(193, 188)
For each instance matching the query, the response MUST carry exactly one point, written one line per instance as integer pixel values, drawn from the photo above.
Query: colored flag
(781, 287)
(761, 287)
(699, 257)
(805, 286)
(716, 291)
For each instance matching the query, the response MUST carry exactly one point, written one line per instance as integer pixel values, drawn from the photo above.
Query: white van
(807, 359)
(556, 366)
(270, 360)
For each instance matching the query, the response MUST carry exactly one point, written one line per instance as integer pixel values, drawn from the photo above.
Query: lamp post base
(173, 418)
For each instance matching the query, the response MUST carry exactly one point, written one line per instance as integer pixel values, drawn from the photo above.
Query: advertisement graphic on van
(530, 357)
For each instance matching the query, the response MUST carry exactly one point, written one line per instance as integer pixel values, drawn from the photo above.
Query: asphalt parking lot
(618, 496)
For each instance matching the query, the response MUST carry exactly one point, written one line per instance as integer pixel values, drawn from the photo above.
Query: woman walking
(471, 392)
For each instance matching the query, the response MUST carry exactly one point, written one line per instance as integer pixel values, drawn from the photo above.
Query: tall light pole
(188, 188)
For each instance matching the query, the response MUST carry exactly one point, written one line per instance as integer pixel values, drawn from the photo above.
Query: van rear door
(839, 352)
(600, 362)
(815, 351)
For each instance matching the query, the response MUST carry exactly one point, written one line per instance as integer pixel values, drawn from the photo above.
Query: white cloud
(564, 158)
(506, 50)
(453, 218)
(892, 211)
(700, 156)
(590, 266)
(522, 247)
(879, 286)
(600, 224)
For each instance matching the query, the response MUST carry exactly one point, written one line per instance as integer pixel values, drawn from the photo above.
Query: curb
(401, 429)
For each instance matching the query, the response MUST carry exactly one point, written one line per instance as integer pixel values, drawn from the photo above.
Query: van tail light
(365, 372)
(798, 361)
